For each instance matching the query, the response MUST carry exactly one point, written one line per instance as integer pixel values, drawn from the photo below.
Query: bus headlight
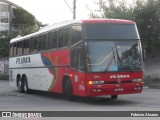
(96, 82)
(137, 80)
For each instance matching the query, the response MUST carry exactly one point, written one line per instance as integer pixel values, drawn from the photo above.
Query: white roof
(68, 22)
(47, 28)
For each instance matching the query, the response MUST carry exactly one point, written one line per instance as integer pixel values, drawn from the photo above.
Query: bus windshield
(112, 56)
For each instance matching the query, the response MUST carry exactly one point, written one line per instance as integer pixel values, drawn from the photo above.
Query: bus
(88, 58)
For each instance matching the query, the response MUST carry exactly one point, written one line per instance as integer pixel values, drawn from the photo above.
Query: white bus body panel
(38, 76)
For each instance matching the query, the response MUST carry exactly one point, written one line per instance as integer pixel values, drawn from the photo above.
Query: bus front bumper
(114, 89)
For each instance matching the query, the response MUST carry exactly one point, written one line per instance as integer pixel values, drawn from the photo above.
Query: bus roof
(109, 21)
(65, 23)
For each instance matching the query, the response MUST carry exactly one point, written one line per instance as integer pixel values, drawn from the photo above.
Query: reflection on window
(19, 48)
(11, 50)
(34, 44)
(63, 37)
(129, 55)
(26, 46)
(76, 34)
(78, 58)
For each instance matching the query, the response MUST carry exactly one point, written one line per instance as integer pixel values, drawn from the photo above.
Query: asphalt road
(12, 100)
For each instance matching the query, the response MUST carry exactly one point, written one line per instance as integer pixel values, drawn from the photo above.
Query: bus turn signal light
(96, 82)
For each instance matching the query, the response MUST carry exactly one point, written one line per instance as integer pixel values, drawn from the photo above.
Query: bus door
(78, 66)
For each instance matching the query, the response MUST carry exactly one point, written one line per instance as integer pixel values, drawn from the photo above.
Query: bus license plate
(118, 89)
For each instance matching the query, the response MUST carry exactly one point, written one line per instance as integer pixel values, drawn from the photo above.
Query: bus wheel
(113, 97)
(20, 85)
(68, 90)
(25, 85)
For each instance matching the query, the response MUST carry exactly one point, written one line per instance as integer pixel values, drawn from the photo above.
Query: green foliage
(25, 21)
(146, 13)
(4, 47)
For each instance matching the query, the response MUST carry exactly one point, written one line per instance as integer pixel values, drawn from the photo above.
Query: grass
(4, 77)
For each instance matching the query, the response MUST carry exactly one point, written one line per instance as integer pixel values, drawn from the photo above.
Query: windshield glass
(114, 56)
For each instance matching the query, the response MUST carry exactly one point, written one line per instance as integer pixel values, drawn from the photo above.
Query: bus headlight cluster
(96, 82)
(137, 80)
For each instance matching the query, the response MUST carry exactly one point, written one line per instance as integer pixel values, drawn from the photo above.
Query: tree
(24, 21)
(146, 13)
(4, 46)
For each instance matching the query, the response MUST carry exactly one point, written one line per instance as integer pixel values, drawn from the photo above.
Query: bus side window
(76, 34)
(42, 42)
(44, 39)
(55, 39)
(19, 48)
(78, 58)
(34, 44)
(14, 49)
(73, 58)
(11, 49)
(50, 40)
(63, 40)
(39, 42)
(26, 46)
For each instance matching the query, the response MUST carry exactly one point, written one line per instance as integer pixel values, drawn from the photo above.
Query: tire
(68, 90)
(113, 97)
(20, 85)
(25, 86)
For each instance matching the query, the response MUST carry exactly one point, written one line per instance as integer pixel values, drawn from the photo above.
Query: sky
(52, 11)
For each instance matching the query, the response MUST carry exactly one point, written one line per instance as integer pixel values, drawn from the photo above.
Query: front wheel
(113, 97)
(68, 90)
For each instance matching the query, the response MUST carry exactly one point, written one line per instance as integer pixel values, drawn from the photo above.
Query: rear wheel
(25, 85)
(113, 97)
(68, 90)
(20, 85)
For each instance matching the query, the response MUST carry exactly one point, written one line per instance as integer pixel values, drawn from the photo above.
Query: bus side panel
(31, 66)
(59, 62)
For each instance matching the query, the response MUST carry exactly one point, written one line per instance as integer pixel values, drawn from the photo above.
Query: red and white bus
(94, 57)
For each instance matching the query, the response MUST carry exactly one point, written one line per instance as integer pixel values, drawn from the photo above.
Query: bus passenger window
(34, 44)
(76, 34)
(63, 37)
(73, 58)
(11, 50)
(19, 48)
(55, 39)
(14, 49)
(80, 59)
(50, 40)
(42, 42)
(26, 47)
